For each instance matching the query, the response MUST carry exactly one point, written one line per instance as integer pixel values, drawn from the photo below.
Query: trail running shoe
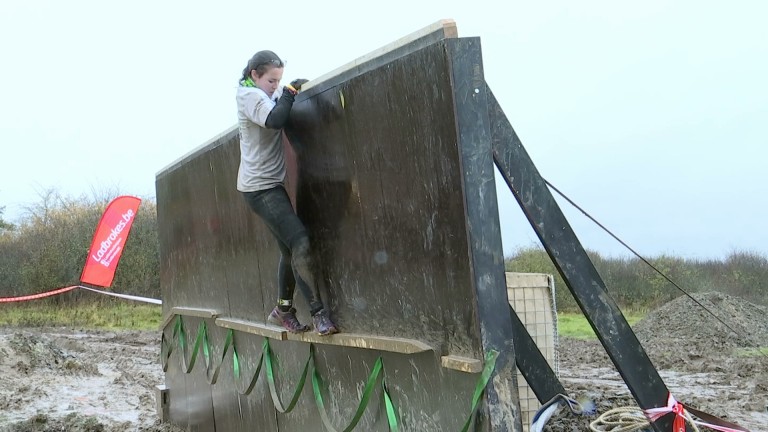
(323, 324)
(287, 320)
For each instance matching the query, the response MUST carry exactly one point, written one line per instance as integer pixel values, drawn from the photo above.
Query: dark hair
(261, 62)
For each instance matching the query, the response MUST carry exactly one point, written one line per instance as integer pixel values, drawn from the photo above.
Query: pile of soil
(685, 334)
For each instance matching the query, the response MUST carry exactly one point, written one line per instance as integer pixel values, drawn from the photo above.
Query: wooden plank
(380, 343)
(261, 329)
(463, 364)
(186, 311)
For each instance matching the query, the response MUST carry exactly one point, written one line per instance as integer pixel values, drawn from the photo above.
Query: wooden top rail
(443, 29)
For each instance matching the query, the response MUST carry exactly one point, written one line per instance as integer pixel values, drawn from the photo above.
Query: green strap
(235, 357)
(271, 379)
(391, 408)
(206, 343)
(369, 386)
(490, 364)
(255, 378)
(165, 352)
(166, 348)
(202, 340)
(228, 341)
(202, 343)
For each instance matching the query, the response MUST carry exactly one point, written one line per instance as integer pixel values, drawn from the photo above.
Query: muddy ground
(57, 379)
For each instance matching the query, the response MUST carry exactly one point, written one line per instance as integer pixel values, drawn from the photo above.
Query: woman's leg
(286, 283)
(274, 207)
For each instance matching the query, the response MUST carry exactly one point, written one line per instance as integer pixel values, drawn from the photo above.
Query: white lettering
(101, 255)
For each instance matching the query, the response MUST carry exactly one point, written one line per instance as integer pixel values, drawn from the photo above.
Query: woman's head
(265, 69)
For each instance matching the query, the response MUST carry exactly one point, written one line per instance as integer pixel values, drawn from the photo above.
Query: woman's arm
(278, 117)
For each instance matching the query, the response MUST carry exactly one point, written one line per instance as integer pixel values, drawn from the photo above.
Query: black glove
(297, 83)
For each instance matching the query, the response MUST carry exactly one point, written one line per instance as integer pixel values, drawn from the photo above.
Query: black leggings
(275, 209)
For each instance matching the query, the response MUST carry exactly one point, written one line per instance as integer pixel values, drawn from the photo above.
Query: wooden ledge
(186, 311)
(353, 340)
(463, 364)
(356, 340)
(265, 330)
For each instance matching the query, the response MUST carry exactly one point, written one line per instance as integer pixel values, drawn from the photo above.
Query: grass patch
(752, 352)
(97, 315)
(575, 325)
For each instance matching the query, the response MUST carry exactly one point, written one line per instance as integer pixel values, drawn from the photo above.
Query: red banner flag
(109, 241)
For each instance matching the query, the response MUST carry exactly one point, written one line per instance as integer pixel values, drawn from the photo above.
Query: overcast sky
(651, 115)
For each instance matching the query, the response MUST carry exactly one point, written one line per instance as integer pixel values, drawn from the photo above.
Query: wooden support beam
(576, 268)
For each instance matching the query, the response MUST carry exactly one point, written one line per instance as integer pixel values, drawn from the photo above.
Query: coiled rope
(628, 419)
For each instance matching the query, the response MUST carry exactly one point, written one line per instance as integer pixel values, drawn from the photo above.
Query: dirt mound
(683, 335)
(736, 323)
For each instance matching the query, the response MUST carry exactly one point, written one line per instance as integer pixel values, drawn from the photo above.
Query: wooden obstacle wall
(392, 172)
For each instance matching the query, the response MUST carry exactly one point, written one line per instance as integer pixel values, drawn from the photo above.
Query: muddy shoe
(287, 320)
(323, 324)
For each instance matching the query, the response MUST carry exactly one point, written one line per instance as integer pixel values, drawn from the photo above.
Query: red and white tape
(37, 296)
(673, 406)
(70, 288)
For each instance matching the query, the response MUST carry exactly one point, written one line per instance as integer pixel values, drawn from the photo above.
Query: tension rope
(267, 360)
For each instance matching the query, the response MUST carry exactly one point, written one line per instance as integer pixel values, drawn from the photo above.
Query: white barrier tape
(125, 296)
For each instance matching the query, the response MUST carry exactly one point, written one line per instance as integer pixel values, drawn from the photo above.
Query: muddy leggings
(275, 209)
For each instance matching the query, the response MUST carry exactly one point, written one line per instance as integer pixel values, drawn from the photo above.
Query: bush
(636, 286)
